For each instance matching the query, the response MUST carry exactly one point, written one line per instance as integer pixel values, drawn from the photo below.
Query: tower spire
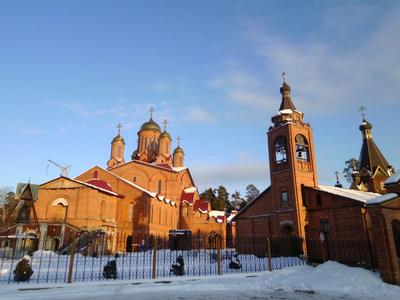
(286, 98)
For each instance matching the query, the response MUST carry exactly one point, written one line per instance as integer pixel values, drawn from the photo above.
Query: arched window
(280, 150)
(159, 187)
(302, 152)
(134, 178)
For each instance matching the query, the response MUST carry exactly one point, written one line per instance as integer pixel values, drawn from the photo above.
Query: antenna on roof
(64, 169)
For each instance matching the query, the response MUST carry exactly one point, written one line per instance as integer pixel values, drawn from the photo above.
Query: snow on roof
(178, 169)
(382, 198)
(95, 187)
(229, 219)
(216, 213)
(151, 194)
(285, 111)
(190, 189)
(394, 178)
(351, 194)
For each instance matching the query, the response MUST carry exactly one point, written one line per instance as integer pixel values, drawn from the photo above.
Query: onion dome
(150, 125)
(286, 98)
(285, 88)
(164, 135)
(365, 125)
(118, 138)
(178, 150)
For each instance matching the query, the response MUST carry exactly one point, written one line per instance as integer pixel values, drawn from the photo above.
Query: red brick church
(296, 204)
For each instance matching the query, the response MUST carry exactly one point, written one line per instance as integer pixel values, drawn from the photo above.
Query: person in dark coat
(178, 268)
(23, 270)
(110, 270)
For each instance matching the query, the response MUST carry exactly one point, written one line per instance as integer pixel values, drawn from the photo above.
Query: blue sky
(71, 70)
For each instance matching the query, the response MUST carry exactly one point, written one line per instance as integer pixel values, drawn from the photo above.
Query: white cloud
(198, 115)
(325, 77)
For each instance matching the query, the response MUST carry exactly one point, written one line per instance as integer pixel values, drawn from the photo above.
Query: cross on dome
(165, 122)
(179, 139)
(119, 126)
(361, 110)
(284, 77)
(151, 110)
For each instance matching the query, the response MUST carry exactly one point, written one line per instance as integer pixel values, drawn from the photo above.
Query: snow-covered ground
(329, 281)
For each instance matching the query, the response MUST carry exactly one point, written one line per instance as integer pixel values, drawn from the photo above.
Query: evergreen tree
(251, 193)
(237, 202)
(222, 199)
(351, 166)
(209, 195)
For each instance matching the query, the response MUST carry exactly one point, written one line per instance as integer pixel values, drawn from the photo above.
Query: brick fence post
(71, 258)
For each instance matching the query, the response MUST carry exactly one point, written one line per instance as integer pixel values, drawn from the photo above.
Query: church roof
(151, 194)
(150, 125)
(394, 179)
(347, 193)
(286, 99)
(118, 138)
(201, 206)
(165, 134)
(370, 156)
(84, 184)
(381, 199)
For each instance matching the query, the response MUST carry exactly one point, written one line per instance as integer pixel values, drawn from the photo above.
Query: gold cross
(151, 110)
(119, 126)
(337, 176)
(165, 122)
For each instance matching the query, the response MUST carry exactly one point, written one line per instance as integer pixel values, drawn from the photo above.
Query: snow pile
(333, 278)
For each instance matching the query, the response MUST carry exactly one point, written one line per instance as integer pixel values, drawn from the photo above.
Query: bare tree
(5, 193)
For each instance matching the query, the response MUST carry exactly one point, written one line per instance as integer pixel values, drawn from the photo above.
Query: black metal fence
(349, 252)
(95, 257)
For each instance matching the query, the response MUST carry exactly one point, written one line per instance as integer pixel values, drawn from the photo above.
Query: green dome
(165, 135)
(150, 125)
(118, 138)
(178, 150)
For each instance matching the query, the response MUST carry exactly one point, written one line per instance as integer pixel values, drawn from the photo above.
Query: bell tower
(292, 164)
